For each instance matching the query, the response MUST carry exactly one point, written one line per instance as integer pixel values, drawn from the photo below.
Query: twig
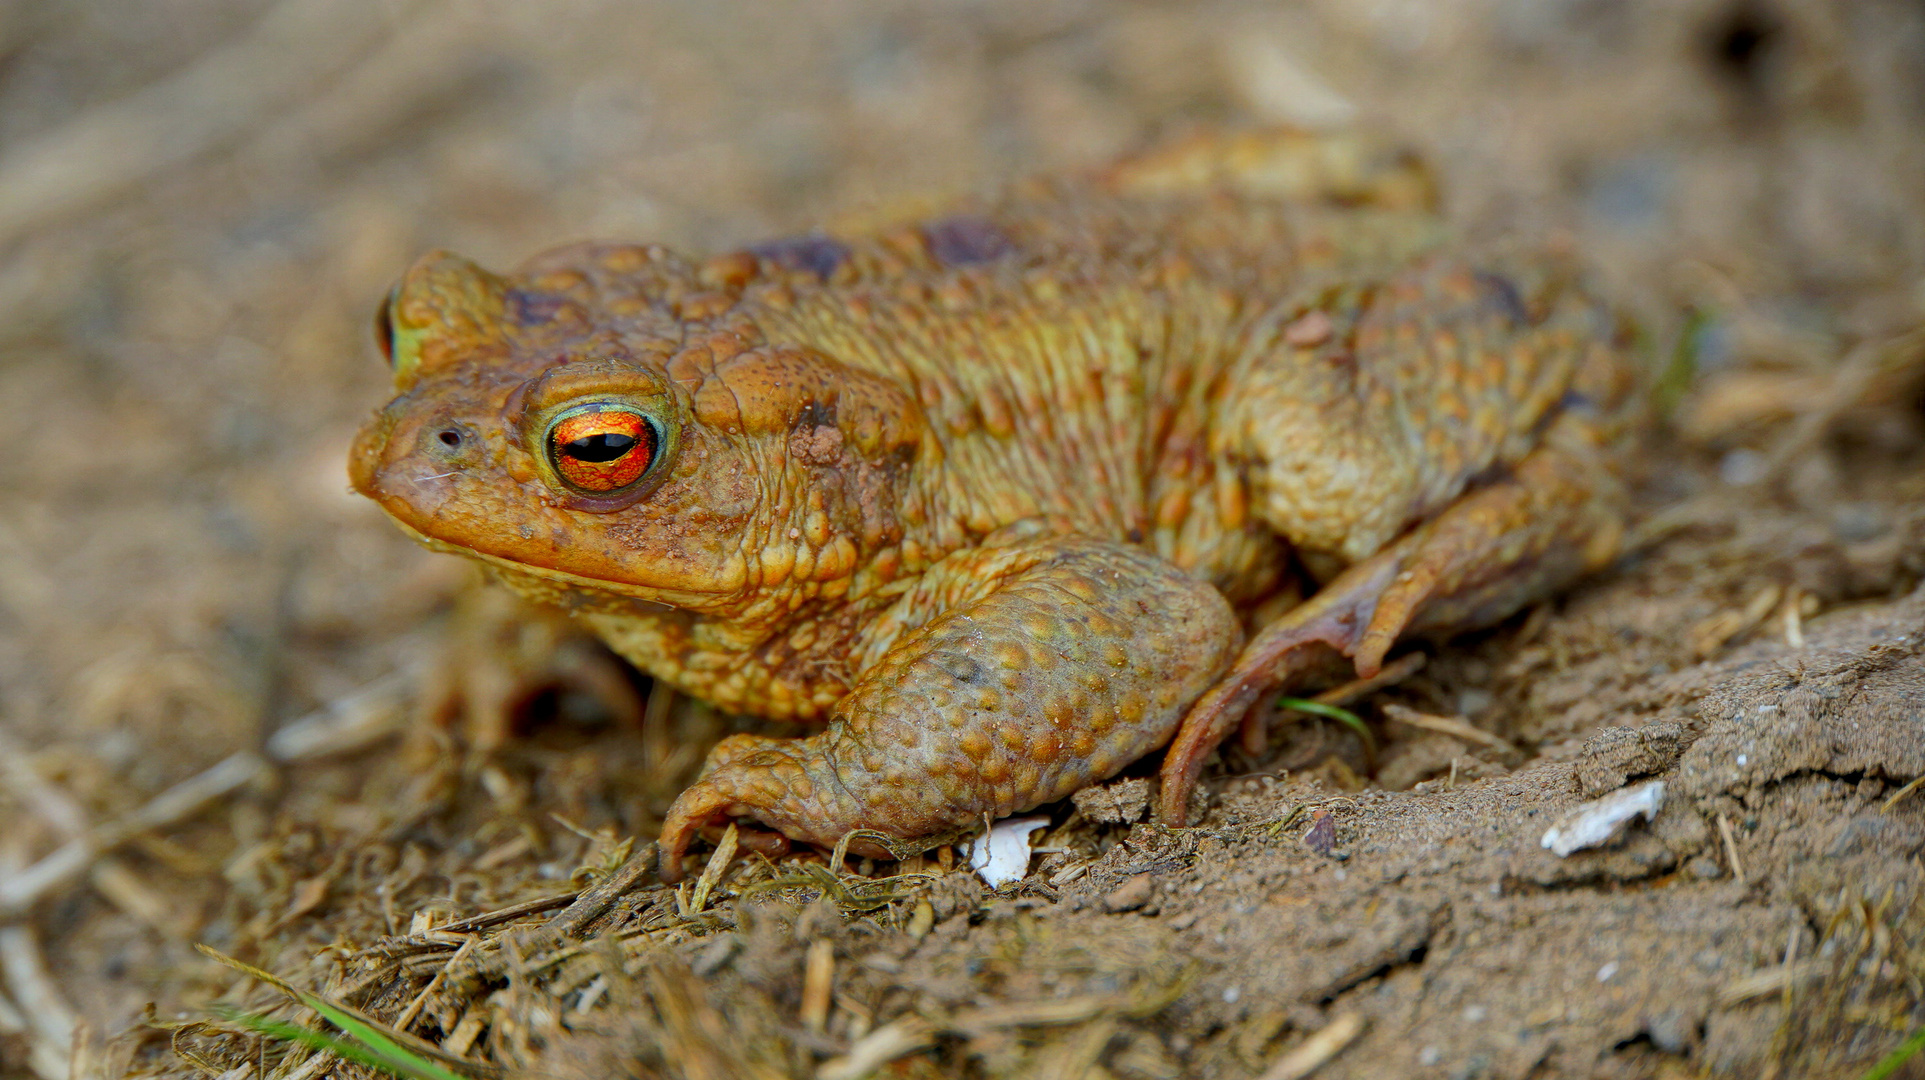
(43, 1058)
(320, 1062)
(1076, 1055)
(414, 1007)
(1318, 1049)
(507, 914)
(32, 988)
(1714, 633)
(1769, 981)
(1731, 850)
(596, 900)
(818, 978)
(348, 723)
(49, 801)
(19, 892)
(127, 890)
(1448, 725)
(1033, 1014)
(878, 1048)
(1850, 380)
(111, 878)
(718, 865)
(1391, 674)
(1901, 793)
(11, 1022)
(1690, 514)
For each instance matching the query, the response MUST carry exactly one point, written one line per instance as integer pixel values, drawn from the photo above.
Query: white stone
(1592, 823)
(1001, 855)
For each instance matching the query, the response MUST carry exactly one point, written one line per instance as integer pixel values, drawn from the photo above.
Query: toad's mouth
(576, 592)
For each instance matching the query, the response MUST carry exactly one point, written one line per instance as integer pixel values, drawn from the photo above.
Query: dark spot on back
(1504, 296)
(529, 308)
(1574, 400)
(965, 241)
(816, 414)
(819, 255)
(961, 668)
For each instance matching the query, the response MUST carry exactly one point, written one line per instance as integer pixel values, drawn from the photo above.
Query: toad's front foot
(788, 785)
(1077, 657)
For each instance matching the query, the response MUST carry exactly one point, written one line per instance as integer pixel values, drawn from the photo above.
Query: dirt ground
(209, 650)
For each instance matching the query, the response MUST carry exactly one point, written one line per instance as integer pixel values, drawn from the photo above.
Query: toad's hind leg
(1557, 515)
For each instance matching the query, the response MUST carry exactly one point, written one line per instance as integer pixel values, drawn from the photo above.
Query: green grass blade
(357, 1027)
(1681, 368)
(1332, 712)
(1896, 1060)
(345, 1049)
(379, 1042)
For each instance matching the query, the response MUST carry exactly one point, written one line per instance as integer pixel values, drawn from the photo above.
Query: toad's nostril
(450, 437)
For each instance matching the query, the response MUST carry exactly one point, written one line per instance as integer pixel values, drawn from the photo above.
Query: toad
(1003, 500)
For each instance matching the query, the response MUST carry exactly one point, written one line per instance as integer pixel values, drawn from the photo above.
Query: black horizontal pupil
(596, 449)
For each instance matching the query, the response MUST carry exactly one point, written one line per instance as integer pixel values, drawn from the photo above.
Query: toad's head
(605, 428)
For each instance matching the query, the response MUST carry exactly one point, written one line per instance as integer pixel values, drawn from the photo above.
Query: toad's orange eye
(601, 449)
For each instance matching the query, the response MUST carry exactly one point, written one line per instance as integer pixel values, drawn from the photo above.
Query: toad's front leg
(1065, 660)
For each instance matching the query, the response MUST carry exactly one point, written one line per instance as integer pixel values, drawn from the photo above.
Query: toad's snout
(412, 464)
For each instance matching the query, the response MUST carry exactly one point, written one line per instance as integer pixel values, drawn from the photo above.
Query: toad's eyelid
(611, 407)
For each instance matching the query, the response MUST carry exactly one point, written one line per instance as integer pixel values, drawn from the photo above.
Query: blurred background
(202, 202)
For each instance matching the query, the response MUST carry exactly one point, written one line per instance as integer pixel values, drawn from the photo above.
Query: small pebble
(1704, 868)
(1669, 1031)
(1742, 467)
(1130, 895)
(1592, 823)
(1313, 329)
(921, 920)
(1604, 973)
(1857, 522)
(1321, 837)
